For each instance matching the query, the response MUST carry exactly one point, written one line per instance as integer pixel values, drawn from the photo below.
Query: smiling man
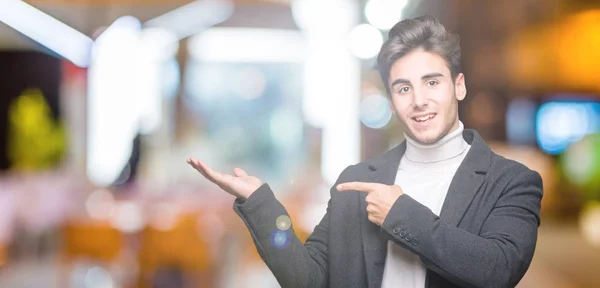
(438, 210)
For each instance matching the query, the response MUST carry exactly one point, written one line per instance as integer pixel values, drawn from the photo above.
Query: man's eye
(404, 89)
(432, 83)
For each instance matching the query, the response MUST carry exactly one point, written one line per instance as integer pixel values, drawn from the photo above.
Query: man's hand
(380, 198)
(239, 184)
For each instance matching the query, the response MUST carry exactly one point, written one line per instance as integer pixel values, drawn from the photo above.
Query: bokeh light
(283, 222)
(100, 204)
(128, 217)
(98, 277)
(590, 223)
(375, 111)
(581, 163)
(280, 239)
(561, 123)
(164, 216)
(384, 14)
(365, 41)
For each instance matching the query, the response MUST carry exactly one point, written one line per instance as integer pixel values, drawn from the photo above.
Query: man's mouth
(424, 118)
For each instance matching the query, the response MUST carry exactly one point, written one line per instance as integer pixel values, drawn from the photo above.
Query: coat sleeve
(294, 264)
(498, 257)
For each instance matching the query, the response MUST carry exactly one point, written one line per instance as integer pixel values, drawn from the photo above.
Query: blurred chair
(179, 248)
(94, 240)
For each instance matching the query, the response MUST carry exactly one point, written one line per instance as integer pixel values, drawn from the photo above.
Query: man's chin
(424, 138)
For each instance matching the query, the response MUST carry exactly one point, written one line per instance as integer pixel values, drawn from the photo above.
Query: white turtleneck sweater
(424, 173)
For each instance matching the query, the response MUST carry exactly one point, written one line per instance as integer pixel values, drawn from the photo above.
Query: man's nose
(420, 100)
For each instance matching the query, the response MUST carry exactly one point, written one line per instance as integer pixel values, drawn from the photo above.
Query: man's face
(424, 97)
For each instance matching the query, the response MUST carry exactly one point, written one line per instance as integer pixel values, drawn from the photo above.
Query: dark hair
(425, 32)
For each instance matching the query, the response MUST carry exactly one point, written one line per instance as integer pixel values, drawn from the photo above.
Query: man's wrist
(255, 197)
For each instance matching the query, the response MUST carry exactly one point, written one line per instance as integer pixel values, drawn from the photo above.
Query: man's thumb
(239, 172)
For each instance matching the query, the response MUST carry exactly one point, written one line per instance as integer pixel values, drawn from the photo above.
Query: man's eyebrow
(424, 77)
(399, 81)
(431, 75)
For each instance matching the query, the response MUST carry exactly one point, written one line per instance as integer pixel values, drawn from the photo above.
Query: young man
(438, 210)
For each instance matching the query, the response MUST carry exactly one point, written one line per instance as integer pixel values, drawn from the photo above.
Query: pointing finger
(357, 186)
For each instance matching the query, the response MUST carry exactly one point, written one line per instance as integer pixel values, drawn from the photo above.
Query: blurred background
(102, 101)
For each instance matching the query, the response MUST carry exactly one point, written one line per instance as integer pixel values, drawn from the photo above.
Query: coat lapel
(381, 170)
(468, 179)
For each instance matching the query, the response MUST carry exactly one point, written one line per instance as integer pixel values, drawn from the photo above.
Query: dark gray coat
(485, 235)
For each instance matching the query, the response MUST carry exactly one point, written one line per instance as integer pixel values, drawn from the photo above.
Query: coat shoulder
(506, 170)
(354, 172)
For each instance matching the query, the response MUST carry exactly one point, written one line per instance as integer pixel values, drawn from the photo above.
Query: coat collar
(478, 158)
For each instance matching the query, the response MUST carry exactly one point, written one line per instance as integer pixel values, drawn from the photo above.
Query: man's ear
(460, 87)
(391, 105)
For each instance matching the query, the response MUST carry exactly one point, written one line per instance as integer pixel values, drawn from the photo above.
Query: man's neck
(449, 146)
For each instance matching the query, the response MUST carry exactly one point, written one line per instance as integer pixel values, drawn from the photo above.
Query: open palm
(239, 184)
